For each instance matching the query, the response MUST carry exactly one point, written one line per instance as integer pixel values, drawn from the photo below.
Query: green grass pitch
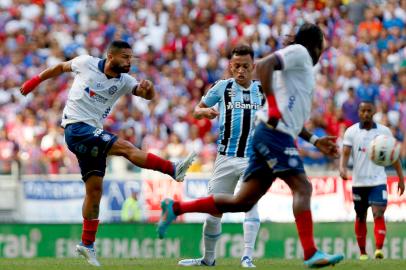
(168, 264)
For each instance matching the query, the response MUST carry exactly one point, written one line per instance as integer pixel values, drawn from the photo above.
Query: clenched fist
(145, 89)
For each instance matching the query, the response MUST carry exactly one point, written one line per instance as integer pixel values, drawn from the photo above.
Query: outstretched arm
(48, 73)
(401, 183)
(325, 144)
(202, 111)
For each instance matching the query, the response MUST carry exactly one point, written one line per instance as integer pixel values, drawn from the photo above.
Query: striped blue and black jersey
(237, 107)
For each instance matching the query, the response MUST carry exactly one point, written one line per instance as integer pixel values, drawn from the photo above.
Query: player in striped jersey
(238, 99)
(369, 179)
(289, 95)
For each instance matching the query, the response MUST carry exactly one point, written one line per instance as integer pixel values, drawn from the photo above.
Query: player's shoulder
(351, 129)
(297, 48)
(225, 81)
(256, 84)
(222, 84)
(85, 57)
(295, 55)
(382, 128)
(127, 77)
(85, 60)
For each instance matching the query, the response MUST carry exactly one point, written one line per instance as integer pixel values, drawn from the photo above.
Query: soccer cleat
(246, 262)
(195, 262)
(181, 167)
(167, 216)
(321, 259)
(363, 257)
(89, 253)
(379, 254)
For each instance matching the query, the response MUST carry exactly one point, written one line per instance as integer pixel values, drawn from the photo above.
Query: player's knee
(253, 212)
(123, 148)
(305, 189)
(213, 220)
(95, 193)
(361, 214)
(378, 213)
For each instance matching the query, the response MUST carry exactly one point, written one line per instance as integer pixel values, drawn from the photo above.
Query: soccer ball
(384, 150)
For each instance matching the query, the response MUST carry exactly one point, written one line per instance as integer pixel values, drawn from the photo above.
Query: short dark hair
(242, 49)
(118, 45)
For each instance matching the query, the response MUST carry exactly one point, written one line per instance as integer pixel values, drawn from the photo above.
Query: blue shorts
(274, 153)
(363, 197)
(90, 145)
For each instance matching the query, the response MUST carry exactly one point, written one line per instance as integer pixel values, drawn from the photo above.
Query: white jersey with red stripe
(365, 172)
(92, 94)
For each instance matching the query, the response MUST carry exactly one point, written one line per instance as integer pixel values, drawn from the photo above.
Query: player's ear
(109, 55)
(229, 68)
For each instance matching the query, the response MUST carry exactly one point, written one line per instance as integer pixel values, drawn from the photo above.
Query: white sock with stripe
(211, 233)
(251, 227)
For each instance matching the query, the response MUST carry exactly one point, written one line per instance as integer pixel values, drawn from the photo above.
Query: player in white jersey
(234, 147)
(368, 179)
(275, 153)
(97, 85)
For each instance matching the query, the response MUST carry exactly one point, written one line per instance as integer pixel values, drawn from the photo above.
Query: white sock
(211, 233)
(251, 227)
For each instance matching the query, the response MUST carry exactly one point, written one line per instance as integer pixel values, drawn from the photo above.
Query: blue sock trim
(252, 220)
(87, 246)
(212, 236)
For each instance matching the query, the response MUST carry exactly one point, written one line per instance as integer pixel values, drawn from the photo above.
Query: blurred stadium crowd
(183, 46)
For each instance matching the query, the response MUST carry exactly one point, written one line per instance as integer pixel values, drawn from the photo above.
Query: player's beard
(117, 68)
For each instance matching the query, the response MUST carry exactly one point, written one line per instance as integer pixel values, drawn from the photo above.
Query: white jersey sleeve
(215, 93)
(293, 88)
(79, 64)
(292, 57)
(348, 139)
(130, 83)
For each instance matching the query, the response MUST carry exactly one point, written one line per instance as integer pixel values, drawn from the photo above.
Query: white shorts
(227, 172)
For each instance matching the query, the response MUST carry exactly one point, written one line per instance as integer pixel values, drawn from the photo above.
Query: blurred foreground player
(275, 154)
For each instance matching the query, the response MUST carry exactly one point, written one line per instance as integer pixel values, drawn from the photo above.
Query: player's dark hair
(242, 49)
(310, 36)
(118, 45)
